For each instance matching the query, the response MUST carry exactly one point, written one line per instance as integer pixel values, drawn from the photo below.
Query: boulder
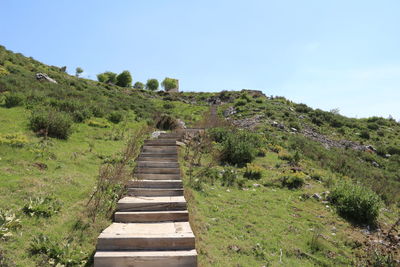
(44, 77)
(229, 112)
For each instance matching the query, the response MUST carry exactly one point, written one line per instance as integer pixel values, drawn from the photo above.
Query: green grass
(72, 167)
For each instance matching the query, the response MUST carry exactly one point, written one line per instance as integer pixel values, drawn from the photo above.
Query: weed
(229, 176)
(13, 100)
(15, 140)
(115, 117)
(42, 206)
(8, 223)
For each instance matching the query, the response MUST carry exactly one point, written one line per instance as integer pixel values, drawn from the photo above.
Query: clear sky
(328, 54)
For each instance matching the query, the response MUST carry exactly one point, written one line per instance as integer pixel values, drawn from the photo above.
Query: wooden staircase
(151, 227)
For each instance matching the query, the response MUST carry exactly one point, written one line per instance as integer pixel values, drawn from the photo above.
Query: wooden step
(180, 258)
(155, 192)
(157, 158)
(151, 203)
(146, 236)
(155, 183)
(157, 164)
(160, 142)
(158, 176)
(168, 154)
(157, 170)
(148, 148)
(151, 216)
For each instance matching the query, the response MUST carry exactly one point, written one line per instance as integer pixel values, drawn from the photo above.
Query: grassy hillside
(263, 184)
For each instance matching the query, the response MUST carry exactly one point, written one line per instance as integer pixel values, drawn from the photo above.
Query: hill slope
(257, 182)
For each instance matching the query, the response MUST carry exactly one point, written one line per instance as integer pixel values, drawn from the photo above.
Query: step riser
(159, 148)
(154, 193)
(155, 184)
(145, 243)
(151, 207)
(166, 261)
(159, 159)
(148, 176)
(158, 170)
(153, 164)
(166, 143)
(153, 217)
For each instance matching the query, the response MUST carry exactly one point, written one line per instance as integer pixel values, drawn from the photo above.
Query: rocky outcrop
(44, 77)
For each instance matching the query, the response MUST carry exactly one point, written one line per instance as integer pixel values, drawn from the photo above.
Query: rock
(181, 124)
(387, 156)
(229, 112)
(256, 185)
(156, 134)
(293, 129)
(181, 144)
(44, 77)
(370, 148)
(291, 109)
(278, 125)
(375, 164)
(317, 196)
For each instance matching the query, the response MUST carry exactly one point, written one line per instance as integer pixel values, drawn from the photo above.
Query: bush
(293, 181)
(168, 105)
(229, 176)
(218, 134)
(115, 117)
(51, 123)
(240, 103)
(98, 124)
(42, 207)
(355, 202)
(240, 148)
(253, 172)
(13, 100)
(81, 115)
(152, 84)
(364, 134)
(166, 122)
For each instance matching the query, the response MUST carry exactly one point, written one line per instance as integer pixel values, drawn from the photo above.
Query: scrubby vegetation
(271, 183)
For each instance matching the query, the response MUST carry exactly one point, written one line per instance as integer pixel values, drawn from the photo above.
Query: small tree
(78, 71)
(107, 77)
(138, 85)
(124, 79)
(169, 84)
(152, 84)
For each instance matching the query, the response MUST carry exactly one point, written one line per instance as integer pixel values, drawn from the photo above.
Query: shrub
(166, 122)
(138, 85)
(51, 123)
(13, 100)
(81, 115)
(124, 79)
(168, 105)
(16, 140)
(303, 108)
(240, 148)
(293, 181)
(229, 176)
(42, 207)
(218, 134)
(115, 117)
(356, 202)
(364, 134)
(240, 103)
(253, 172)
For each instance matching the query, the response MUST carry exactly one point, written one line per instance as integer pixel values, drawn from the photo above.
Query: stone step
(151, 203)
(151, 216)
(158, 158)
(146, 236)
(155, 192)
(157, 170)
(158, 176)
(180, 258)
(157, 164)
(155, 184)
(160, 142)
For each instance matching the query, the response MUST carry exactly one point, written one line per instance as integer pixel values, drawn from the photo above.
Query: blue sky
(327, 54)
